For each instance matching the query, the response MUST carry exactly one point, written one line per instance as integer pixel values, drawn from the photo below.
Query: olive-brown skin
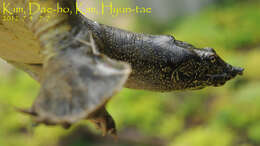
(77, 81)
(160, 62)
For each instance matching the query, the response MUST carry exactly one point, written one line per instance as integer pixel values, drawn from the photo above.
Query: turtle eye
(212, 58)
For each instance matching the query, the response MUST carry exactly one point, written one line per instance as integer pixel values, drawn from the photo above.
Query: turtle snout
(234, 71)
(237, 71)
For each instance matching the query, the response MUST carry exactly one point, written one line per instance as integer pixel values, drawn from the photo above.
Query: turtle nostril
(241, 71)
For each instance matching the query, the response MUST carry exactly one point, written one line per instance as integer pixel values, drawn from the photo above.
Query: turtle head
(214, 70)
(205, 68)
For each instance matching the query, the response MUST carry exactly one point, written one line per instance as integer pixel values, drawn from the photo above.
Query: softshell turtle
(81, 64)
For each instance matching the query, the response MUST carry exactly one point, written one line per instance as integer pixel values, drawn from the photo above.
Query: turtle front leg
(76, 85)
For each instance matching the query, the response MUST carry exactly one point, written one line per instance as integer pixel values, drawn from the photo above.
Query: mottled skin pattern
(160, 62)
(77, 81)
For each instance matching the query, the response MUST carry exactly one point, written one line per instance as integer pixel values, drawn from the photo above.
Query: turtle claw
(103, 121)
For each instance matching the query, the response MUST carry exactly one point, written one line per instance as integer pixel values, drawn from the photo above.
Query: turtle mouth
(219, 79)
(230, 73)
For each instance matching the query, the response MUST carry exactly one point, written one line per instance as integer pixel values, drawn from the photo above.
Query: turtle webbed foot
(77, 86)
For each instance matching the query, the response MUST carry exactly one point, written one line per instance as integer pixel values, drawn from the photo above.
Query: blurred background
(223, 116)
